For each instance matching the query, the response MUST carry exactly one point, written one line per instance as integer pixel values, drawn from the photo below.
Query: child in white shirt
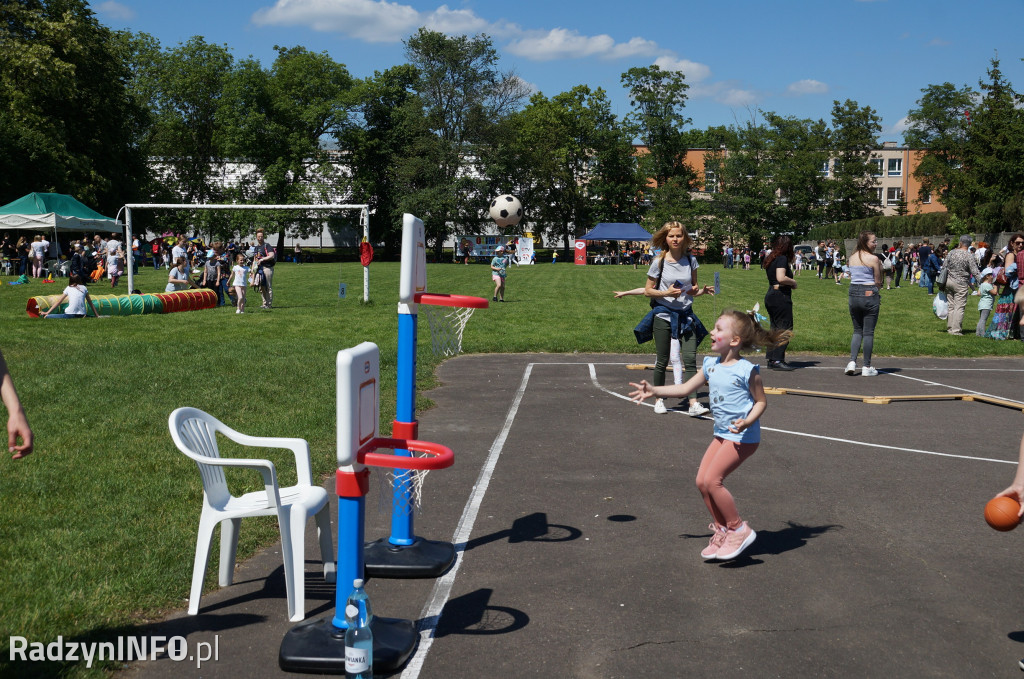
(241, 276)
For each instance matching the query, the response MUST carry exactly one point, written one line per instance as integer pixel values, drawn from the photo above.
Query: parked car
(806, 252)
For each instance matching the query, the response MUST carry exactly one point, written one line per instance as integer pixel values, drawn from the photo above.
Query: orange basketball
(1001, 513)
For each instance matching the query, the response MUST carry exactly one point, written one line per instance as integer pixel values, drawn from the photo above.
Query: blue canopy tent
(617, 231)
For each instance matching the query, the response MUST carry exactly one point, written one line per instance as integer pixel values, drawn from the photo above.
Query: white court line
(593, 379)
(430, 616)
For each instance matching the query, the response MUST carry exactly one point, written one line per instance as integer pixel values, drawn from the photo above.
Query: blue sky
(791, 57)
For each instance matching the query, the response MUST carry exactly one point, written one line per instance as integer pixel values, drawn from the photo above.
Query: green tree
(854, 137)
(67, 121)
(991, 190)
(183, 89)
(798, 155)
(658, 98)
(581, 162)
(464, 94)
(742, 210)
(276, 119)
(386, 125)
(940, 126)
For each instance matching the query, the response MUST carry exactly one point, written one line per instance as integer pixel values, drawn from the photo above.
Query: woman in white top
(865, 282)
(38, 256)
(77, 296)
(672, 285)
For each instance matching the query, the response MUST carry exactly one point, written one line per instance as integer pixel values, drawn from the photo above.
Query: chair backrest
(195, 434)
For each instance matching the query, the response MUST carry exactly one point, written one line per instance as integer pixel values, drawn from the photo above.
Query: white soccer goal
(364, 221)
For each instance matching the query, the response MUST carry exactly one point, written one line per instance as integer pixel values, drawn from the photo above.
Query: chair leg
(327, 554)
(299, 519)
(204, 537)
(294, 586)
(228, 548)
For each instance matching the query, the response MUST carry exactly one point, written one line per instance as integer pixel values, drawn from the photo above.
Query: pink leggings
(721, 459)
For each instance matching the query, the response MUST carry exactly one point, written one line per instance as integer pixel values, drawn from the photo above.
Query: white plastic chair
(194, 432)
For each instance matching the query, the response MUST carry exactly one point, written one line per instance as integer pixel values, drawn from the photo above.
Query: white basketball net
(446, 327)
(402, 502)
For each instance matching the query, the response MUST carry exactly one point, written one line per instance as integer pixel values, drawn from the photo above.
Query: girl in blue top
(737, 399)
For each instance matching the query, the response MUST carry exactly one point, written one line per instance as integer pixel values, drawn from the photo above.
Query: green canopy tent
(53, 212)
(45, 212)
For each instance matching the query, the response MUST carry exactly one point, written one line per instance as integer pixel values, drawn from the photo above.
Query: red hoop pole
(434, 299)
(440, 456)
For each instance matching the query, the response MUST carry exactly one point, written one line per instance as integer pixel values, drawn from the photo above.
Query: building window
(710, 181)
(824, 169)
(877, 162)
(893, 195)
(895, 167)
(875, 196)
(927, 199)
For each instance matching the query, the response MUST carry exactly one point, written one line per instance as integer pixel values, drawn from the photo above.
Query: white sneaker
(868, 371)
(851, 368)
(697, 409)
(659, 407)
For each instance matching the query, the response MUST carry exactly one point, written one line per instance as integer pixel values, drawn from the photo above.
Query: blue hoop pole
(351, 534)
(405, 411)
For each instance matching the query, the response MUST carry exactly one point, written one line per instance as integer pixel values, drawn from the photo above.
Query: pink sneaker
(717, 538)
(736, 541)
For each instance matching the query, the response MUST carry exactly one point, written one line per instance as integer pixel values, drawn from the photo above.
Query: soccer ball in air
(506, 211)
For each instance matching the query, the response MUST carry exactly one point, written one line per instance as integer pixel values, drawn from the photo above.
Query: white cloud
(693, 71)
(369, 20)
(115, 10)
(939, 42)
(900, 127)
(801, 87)
(561, 43)
(732, 96)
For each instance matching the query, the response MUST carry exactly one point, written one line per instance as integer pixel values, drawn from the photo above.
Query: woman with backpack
(671, 287)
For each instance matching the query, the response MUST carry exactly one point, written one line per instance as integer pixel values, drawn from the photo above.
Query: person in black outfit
(778, 265)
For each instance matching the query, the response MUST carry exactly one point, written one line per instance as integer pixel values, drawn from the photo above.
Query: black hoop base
(421, 559)
(318, 647)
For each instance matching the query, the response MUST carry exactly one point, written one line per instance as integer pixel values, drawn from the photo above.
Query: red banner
(580, 256)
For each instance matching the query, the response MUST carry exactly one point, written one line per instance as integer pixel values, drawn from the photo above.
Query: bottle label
(356, 660)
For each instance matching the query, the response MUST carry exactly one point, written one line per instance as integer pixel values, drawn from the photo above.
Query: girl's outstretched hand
(642, 391)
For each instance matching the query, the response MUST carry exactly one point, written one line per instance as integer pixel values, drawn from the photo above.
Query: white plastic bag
(940, 306)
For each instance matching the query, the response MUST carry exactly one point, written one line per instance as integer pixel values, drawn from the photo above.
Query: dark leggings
(864, 307)
(780, 311)
(663, 345)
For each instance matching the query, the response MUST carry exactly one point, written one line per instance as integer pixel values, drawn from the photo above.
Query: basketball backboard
(358, 400)
(413, 273)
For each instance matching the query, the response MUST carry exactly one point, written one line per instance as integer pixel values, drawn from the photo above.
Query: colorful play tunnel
(131, 305)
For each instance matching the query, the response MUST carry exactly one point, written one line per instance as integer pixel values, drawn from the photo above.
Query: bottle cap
(358, 582)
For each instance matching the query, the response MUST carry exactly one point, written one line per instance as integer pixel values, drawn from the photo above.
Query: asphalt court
(579, 530)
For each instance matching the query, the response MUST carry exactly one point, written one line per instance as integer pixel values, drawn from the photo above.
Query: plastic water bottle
(358, 637)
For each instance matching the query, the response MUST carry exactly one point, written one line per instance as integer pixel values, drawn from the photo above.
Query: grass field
(97, 528)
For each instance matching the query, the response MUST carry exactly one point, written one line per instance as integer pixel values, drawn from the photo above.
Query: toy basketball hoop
(403, 554)
(403, 479)
(447, 316)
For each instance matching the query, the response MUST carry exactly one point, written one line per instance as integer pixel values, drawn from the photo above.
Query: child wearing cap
(498, 273)
(985, 301)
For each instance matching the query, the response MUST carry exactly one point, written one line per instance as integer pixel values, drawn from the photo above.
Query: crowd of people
(190, 263)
